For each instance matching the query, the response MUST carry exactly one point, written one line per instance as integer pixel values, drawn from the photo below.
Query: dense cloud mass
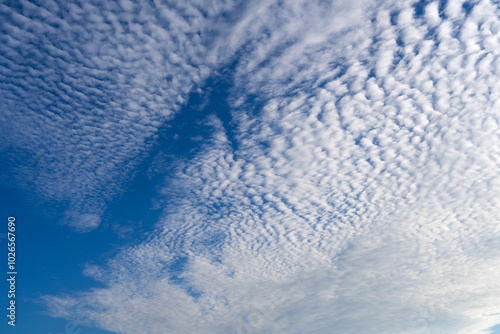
(357, 192)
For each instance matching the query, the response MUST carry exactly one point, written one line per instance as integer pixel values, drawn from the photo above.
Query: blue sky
(252, 166)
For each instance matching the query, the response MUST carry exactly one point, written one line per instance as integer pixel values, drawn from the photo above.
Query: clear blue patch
(442, 7)
(419, 8)
(467, 7)
(495, 329)
(394, 18)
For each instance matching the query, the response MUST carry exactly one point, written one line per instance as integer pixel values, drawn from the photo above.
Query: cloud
(361, 197)
(86, 222)
(85, 87)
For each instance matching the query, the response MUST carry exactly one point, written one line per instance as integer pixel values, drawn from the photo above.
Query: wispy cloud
(362, 194)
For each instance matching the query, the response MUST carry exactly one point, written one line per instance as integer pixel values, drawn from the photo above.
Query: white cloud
(432, 14)
(85, 88)
(362, 196)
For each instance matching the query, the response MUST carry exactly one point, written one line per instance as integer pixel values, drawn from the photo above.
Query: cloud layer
(362, 193)
(85, 86)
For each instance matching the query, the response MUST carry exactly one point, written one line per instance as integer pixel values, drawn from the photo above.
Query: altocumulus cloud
(85, 86)
(361, 197)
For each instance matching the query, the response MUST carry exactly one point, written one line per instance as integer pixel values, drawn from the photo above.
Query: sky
(258, 166)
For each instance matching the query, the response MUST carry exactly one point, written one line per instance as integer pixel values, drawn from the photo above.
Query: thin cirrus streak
(362, 193)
